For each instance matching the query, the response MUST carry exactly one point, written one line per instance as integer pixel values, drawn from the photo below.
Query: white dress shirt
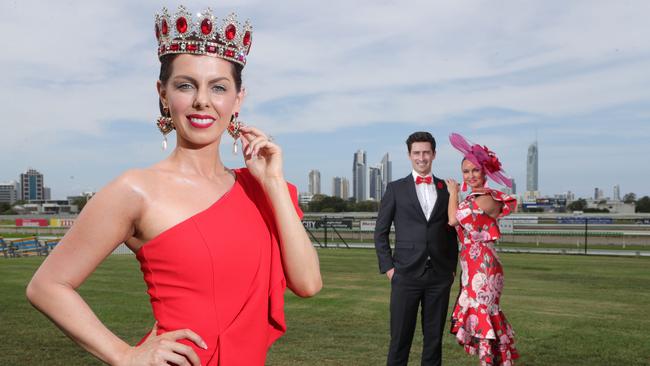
(427, 194)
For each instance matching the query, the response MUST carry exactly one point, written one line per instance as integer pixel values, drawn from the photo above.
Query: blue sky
(328, 78)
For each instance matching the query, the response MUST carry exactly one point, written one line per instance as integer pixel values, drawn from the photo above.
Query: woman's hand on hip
(262, 156)
(164, 349)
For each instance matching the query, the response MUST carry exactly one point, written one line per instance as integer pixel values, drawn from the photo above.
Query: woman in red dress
(217, 247)
(477, 320)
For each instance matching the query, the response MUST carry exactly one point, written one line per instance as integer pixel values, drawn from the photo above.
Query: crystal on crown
(200, 35)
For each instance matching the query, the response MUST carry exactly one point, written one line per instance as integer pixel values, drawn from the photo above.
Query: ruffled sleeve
(509, 202)
(478, 226)
(277, 281)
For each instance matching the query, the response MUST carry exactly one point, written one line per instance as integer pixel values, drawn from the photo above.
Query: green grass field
(566, 310)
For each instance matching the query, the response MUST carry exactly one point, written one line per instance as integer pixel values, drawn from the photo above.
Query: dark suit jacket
(416, 238)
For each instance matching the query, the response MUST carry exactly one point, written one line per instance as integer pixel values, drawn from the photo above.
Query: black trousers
(407, 294)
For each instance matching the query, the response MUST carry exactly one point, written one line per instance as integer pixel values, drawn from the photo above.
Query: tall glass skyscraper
(532, 177)
(375, 180)
(314, 181)
(341, 188)
(359, 174)
(386, 173)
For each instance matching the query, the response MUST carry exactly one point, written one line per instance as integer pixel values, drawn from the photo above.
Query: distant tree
(602, 202)
(315, 205)
(4, 207)
(643, 204)
(332, 204)
(629, 197)
(366, 206)
(80, 202)
(578, 205)
(596, 210)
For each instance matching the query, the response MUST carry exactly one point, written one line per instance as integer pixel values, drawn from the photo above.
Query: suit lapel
(440, 193)
(409, 186)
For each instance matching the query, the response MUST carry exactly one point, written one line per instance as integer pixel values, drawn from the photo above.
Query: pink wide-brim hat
(481, 156)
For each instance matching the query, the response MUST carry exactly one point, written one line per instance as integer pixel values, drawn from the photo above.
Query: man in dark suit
(422, 266)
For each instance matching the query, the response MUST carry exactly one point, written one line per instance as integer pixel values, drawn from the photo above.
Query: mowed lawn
(566, 310)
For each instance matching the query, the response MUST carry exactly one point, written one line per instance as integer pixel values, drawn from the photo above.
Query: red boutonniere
(440, 185)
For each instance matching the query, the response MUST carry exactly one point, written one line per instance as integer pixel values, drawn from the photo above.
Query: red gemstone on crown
(165, 27)
(231, 31)
(174, 47)
(247, 38)
(181, 25)
(229, 53)
(206, 26)
(192, 47)
(211, 49)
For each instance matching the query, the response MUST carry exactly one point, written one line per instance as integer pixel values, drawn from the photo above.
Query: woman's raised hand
(164, 349)
(262, 156)
(452, 186)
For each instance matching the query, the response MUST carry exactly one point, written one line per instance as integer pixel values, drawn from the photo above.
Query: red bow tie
(428, 180)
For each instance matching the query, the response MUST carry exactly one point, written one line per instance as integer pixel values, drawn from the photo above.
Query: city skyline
(572, 76)
(314, 182)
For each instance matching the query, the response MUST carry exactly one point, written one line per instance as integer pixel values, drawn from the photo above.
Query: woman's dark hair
(421, 137)
(166, 71)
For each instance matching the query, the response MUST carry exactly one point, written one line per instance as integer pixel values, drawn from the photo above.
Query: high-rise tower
(386, 173)
(359, 174)
(31, 185)
(314, 182)
(532, 177)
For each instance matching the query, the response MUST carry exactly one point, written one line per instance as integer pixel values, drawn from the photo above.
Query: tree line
(640, 205)
(324, 203)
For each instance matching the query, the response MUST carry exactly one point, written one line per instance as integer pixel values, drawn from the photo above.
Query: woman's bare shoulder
(131, 188)
(141, 180)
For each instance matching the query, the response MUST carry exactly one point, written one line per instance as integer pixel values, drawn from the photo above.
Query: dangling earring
(464, 187)
(233, 129)
(165, 125)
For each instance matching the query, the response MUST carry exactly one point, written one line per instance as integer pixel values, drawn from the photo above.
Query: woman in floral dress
(477, 320)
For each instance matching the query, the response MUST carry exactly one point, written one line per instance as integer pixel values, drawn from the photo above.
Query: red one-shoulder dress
(219, 273)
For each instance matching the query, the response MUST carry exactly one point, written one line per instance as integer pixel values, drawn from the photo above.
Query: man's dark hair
(421, 136)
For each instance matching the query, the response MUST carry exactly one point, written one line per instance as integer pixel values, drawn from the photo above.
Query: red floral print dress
(477, 320)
